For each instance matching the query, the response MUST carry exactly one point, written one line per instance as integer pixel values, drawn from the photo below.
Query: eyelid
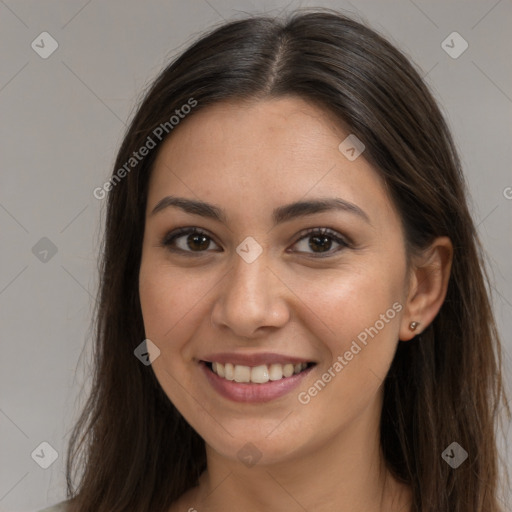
(179, 232)
(337, 237)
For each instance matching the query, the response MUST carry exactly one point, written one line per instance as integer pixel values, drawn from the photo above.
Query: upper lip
(253, 359)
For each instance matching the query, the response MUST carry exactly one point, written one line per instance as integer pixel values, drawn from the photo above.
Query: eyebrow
(281, 214)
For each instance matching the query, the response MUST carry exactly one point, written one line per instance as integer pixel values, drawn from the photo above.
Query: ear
(428, 283)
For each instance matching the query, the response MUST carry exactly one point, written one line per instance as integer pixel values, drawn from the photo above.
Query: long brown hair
(131, 449)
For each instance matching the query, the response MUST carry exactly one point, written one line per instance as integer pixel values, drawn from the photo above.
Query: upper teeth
(257, 374)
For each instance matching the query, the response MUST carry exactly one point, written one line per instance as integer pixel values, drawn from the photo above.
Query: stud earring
(413, 325)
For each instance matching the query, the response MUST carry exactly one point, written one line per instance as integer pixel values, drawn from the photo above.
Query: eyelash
(170, 238)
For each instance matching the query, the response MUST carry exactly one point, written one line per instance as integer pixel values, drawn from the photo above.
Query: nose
(251, 300)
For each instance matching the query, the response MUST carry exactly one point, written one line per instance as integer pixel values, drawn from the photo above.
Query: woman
(293, 312)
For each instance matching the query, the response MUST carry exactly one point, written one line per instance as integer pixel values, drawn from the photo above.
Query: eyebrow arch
(281, 214)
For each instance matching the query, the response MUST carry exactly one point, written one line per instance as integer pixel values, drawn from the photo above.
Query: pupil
(323, 240)
(195, 238)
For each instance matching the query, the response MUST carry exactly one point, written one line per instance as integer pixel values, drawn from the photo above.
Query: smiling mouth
(260, 374)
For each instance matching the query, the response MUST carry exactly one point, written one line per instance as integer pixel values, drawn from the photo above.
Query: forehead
(267, 152)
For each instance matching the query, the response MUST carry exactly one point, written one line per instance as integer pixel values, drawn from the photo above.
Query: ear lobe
(428, 287)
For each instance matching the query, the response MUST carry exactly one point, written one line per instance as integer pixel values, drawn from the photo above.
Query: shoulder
(59, 507)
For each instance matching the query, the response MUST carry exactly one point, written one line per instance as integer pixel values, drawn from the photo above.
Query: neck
(346, 474)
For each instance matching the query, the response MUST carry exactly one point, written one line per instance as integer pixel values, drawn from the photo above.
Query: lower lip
(250, 392)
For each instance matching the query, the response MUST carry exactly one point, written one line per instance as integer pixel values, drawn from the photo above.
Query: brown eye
(320, 241)
(191, 240)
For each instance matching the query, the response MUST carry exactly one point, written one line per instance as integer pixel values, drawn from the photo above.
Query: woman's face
(265, 284)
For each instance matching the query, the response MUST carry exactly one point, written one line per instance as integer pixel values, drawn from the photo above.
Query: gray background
(62, 120)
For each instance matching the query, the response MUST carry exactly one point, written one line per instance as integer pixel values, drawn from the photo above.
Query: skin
(249, 158)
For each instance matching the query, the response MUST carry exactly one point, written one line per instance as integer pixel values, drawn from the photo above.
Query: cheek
(167, 300)
(173, 302)
(165, 297)
(361, 307)
(348, 300)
